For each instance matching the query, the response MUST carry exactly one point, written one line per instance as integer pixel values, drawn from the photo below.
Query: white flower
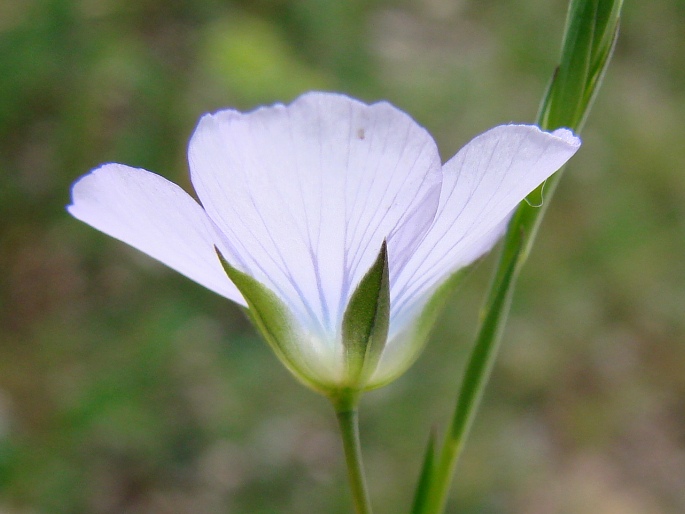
(299, 200)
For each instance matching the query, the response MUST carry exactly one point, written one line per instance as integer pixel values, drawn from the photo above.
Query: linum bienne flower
(333, 222)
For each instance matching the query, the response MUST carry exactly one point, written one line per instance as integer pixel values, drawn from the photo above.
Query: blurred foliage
(124, 388)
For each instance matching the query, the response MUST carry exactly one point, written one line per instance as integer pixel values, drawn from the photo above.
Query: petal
(305, 194)
(482, 184)
(155, 216)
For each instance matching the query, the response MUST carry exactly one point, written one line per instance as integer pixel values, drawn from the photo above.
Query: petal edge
(155, 216)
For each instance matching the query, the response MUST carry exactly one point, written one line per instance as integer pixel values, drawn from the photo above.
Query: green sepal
(427, 471)
(275, 322)
(424, 323)
(366, 321)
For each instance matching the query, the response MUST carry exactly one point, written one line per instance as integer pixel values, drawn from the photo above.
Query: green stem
(348, 420)
(474, 380)
(591, 32)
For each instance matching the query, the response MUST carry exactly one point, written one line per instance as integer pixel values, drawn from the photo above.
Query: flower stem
(348, 420)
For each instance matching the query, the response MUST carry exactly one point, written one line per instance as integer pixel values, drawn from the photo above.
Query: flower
(335, 222)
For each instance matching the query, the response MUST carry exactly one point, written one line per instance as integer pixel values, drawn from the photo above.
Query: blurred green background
(125, 388)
